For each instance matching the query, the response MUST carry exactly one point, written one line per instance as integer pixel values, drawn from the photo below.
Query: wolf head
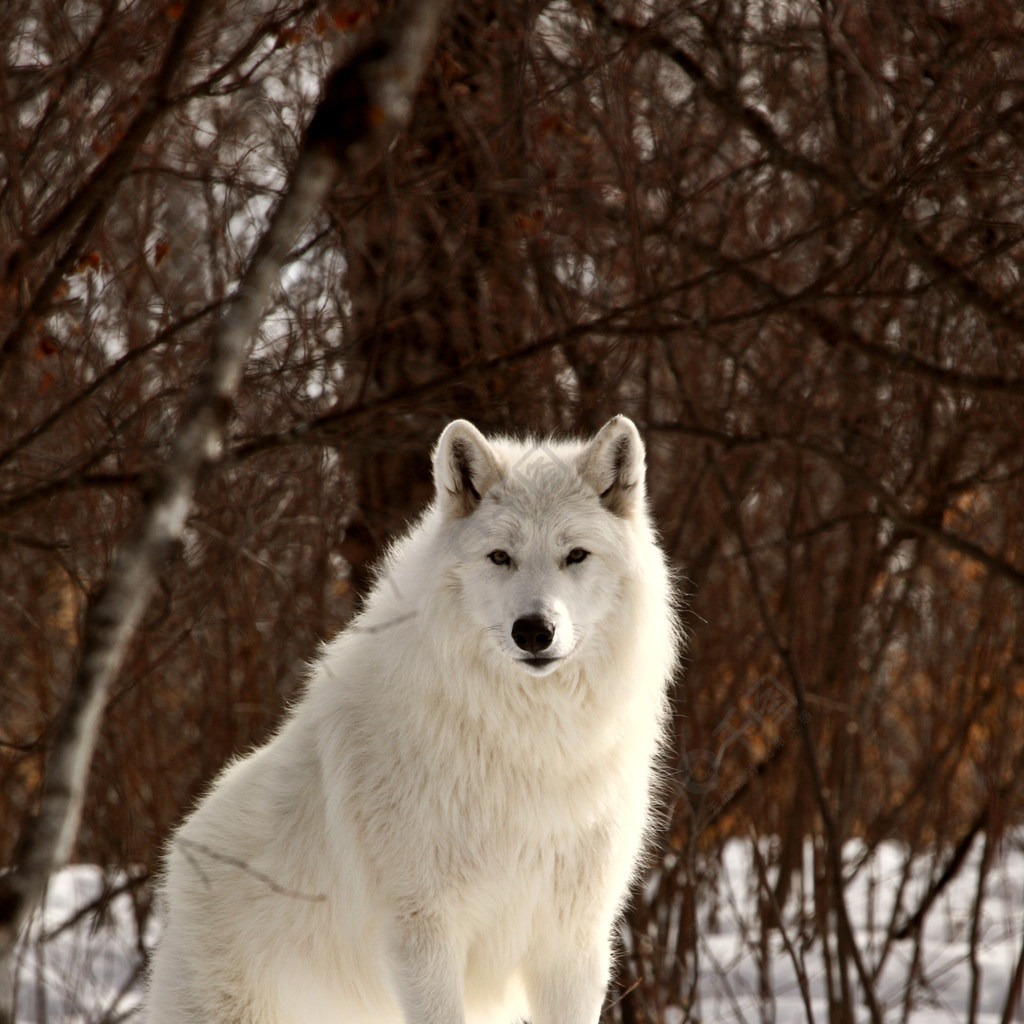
(544, 536)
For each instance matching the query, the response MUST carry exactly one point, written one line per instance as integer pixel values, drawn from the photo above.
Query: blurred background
(784, 237)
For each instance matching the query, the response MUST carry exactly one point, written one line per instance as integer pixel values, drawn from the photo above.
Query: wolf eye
(499, 557)
(576, 555)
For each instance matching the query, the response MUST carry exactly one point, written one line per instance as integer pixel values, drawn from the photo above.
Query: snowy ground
(928, 982)
(87, 970)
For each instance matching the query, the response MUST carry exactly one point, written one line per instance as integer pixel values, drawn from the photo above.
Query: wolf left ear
(613, 464)
(465, 467)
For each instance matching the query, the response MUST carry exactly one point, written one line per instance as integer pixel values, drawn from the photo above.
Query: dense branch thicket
(785, 238)
(365, 102)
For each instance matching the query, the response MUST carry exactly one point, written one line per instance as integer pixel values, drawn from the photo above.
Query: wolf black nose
(532, 633)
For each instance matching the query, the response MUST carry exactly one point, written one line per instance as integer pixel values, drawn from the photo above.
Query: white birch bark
(365, 104)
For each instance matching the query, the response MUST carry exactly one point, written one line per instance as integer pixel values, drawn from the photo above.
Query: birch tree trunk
(366, 102)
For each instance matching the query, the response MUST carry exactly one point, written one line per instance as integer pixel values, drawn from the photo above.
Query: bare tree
(366, 102)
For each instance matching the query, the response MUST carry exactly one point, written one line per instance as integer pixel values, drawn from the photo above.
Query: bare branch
(86, 208)
(751, 120)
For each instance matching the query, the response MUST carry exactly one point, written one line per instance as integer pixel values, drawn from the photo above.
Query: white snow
(89, 970)
(76, 968)
(933, 990)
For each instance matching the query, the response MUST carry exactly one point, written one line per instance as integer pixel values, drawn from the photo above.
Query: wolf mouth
(538, 662)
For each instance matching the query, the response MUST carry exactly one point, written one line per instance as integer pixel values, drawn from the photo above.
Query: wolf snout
(533, 633)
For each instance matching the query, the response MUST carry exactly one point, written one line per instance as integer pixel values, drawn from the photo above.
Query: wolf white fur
(445, 827)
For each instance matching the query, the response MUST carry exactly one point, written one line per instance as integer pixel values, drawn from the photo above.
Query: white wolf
(445, 827)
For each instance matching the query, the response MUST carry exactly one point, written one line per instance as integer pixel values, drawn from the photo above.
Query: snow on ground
(929, 983)
(88, 970)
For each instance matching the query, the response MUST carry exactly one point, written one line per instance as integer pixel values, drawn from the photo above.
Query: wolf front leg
(427, 978)
(567, 985)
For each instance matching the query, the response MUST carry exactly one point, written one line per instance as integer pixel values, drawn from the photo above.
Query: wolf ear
(465, 467)
(613, 464)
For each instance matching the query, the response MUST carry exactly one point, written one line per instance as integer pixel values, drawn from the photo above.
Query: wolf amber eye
(499, 557)
(576, 555)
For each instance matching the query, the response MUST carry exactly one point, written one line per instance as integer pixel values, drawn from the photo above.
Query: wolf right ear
(465, 467)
